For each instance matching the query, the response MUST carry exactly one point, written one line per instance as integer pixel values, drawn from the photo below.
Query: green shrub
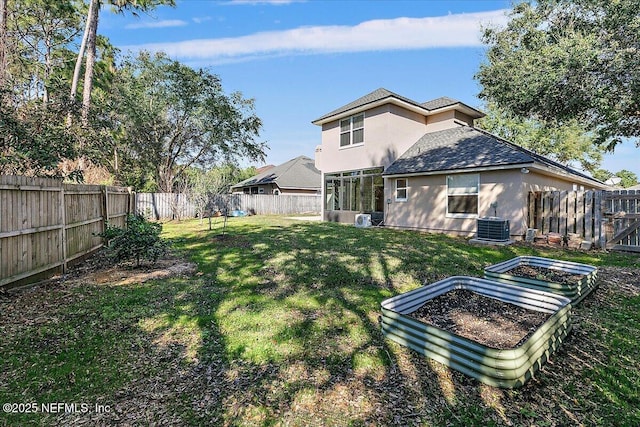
(139, 240)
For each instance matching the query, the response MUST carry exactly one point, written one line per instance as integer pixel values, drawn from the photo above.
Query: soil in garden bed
(546, 274)
(488, 321)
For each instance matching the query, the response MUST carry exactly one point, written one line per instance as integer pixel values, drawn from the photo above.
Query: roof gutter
(464, 170)
(549, 171)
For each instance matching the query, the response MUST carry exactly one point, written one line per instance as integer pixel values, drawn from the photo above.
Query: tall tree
(564, 60)
(43, 30)
(89, 41)
(170, 117)
(3, 43)
(569, 143)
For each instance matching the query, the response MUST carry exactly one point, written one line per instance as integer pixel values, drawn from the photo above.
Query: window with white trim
(462, 194)
(352, 130)
(401, 189)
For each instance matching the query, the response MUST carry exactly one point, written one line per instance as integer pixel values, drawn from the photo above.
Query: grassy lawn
(279, 326)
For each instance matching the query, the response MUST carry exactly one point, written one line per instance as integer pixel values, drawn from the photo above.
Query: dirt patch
(98, 269)
(488, 321)
(123, 275)
(545, 274)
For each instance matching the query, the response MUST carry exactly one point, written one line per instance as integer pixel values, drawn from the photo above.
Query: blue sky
(302, 59)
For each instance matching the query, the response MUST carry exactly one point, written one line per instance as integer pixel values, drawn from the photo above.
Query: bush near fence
(46, 225)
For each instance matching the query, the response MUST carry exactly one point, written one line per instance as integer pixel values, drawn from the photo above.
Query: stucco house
(297, 176)
(425, 166)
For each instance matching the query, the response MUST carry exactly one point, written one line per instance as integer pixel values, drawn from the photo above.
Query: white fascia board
(389, 100)
(466, 170)
(411, 107)
(549, 171)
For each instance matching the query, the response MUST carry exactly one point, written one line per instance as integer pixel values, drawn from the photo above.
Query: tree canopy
(569, 143)
(568, 61)
(143, 121)
(171, 117)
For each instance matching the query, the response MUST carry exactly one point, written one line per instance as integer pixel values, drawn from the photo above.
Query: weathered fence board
(45, 224)
(178, 206)
(608, 219)
(623, 212)
(165, 205)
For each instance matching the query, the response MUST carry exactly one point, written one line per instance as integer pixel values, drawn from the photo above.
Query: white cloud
(157, 24)
(455, 30)
(201, 19)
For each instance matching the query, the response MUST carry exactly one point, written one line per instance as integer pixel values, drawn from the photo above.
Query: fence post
(105, 207)
(597, 218)
(131, 207)
(63, 228)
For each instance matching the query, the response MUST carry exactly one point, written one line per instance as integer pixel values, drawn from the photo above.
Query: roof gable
(379, 95)
(295, 173)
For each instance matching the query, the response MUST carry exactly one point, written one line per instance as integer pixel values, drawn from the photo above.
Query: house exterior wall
(447, 120)
(426, 204)
(388, 132)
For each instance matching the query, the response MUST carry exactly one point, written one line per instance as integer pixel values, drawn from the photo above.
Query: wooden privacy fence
(177, 206)
(621, 210)
(608, 219)
(269, 204)
(165, 205)
(45, 224)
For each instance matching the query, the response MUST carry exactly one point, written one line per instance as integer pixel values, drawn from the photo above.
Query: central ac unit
(363, 220)
(493, 228)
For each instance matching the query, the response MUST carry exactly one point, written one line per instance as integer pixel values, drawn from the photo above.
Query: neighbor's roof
(465, 147)
(382, 96)
(296, 173)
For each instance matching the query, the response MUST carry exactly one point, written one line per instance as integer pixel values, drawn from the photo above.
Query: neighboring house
(424, 166)
(297, 176)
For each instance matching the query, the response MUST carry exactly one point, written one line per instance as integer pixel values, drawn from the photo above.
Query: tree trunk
(83, 45)
(3, 43)
(94, 9)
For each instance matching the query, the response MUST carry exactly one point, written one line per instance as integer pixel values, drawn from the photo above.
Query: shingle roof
(296, 173)
(382, 93)
(376, 95)
(441, 102)
(465, 147)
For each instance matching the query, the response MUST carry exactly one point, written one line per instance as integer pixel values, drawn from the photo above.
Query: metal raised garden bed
(507, 368)
(575, 291)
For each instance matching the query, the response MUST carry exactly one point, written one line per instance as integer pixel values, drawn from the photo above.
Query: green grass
(280, 326)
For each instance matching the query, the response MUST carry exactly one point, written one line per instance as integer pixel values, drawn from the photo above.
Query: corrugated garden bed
(488, 321)
(278, 326)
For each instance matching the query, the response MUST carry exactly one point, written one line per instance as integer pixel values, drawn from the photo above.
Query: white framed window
(402, 185)
(260, 190)
(352, 131)
(462, 195)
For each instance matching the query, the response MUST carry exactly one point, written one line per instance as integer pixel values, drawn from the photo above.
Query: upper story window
(352, 130)
(462, 194)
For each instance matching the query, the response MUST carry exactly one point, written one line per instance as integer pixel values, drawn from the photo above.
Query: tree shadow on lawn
(280, 325)
(300, 320)
(132, 348)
